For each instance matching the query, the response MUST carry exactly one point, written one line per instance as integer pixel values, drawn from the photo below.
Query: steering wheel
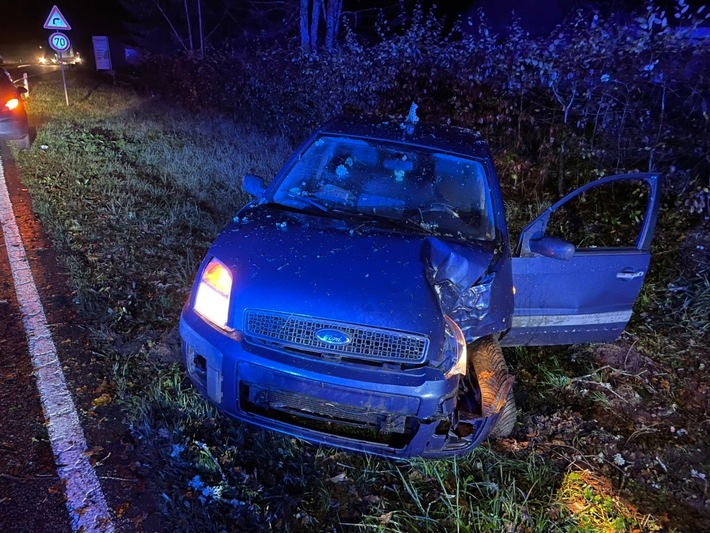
(438, 207)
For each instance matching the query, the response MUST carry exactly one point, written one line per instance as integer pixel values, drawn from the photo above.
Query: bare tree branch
(167, 19)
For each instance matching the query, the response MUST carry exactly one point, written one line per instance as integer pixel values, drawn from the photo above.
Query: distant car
(13, 118)
(362, 299)
(69, 58)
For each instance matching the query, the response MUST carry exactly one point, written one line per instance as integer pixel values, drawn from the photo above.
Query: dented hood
(340, 270)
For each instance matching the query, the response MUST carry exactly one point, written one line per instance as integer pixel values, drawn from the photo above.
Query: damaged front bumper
(385, 411)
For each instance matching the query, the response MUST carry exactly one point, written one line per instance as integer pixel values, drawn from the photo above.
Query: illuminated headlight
(42, 60)
(212, 299)
(455, 358)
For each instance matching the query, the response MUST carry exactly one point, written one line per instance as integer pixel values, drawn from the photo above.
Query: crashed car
(362, 298)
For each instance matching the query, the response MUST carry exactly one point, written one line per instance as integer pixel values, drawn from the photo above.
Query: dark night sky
(23, 20)
(102, 17)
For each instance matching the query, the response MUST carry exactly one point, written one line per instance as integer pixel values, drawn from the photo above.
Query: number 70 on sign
(59, 42)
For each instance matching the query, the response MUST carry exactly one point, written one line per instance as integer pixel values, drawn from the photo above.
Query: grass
(154, 183)
(591, 499)
(132, 192)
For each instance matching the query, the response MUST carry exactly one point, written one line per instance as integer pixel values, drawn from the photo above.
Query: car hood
(336, 269)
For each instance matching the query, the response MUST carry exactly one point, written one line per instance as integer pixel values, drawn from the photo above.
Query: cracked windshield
(401, 186)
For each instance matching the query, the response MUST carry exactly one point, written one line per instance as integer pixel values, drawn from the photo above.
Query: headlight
(212, 299)
(454, 349)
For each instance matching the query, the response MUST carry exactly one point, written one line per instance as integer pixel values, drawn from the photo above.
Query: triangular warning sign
(56, 21)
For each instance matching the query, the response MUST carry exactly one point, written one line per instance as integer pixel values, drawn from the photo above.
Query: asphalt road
(31, 495)
(33, 71)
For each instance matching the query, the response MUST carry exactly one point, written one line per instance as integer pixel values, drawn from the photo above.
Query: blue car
(362, 298)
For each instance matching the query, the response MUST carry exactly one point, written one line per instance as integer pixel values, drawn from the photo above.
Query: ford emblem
(333, 336)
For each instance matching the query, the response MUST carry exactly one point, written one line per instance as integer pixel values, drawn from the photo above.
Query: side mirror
(254, 185)
(21, 90)
(552, 247)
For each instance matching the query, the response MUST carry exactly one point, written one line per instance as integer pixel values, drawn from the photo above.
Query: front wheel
(495, 384)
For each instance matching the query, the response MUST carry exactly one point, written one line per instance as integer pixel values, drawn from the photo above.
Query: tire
(492, 376)
(23, 143)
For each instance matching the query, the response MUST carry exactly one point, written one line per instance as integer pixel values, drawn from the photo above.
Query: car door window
(602, 217)
(580, 265)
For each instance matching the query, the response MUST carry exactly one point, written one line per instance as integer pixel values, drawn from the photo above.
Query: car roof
(451, 139)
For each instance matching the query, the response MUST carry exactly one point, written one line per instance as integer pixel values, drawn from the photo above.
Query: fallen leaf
(102, 400)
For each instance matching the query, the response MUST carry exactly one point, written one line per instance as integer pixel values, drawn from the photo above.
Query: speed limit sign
(59, 42)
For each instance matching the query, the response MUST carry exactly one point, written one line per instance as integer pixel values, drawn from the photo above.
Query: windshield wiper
(399, 223)
(309, 201)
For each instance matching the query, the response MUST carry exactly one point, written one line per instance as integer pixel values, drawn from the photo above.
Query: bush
(599, 95)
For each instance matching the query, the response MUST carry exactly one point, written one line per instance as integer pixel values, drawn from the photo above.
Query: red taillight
(12, 103)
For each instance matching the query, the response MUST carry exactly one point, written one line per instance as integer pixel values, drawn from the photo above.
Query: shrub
(600, 94)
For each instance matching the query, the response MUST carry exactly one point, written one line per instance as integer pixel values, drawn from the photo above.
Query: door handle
(628, 276)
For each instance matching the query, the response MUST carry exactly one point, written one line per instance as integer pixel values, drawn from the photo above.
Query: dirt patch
(641, 424)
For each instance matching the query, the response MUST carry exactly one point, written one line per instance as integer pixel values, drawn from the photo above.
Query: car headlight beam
(213, 292)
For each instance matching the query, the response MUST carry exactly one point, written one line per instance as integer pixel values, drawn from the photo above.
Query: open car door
(582, 287)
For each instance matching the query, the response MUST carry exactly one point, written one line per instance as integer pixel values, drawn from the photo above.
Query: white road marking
(85, 500)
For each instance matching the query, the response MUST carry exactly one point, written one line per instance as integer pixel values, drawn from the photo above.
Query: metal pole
(26, 83)
(64, 79)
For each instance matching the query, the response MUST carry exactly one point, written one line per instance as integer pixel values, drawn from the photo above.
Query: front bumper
(384, 411)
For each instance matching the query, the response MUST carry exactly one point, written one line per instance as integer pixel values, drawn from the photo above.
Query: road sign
(59, 42)
(102, 52)
(56, 21)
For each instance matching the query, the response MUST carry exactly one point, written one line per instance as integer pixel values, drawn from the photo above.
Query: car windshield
(409, 186)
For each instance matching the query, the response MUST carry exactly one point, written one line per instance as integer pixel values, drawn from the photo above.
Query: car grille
(329, 417)
(365, 342)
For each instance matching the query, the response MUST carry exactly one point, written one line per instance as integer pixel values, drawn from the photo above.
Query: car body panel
(369, 398)
(575, 301)
(588, 298)
(305, 263)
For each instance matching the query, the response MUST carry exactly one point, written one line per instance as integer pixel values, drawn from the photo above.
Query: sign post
(59, 42)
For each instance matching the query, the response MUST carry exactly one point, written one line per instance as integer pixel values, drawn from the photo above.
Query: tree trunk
(202, 38)
(303, 26)
(315, 19)
(189, 27)
(332, 22)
